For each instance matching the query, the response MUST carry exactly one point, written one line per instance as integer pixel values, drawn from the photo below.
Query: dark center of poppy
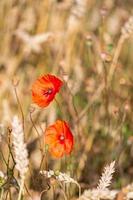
(47, 92)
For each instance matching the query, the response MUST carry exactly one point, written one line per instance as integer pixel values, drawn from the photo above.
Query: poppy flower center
(47, 92)
(61, 138)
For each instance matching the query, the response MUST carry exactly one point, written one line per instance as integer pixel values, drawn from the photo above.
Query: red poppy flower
(59, 139)
(44, 89)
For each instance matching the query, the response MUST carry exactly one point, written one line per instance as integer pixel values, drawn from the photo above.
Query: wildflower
(59, 139)
(44, 89)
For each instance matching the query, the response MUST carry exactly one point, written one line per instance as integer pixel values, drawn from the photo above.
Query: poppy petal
(57, 150)
(44, 89)
(59, 139)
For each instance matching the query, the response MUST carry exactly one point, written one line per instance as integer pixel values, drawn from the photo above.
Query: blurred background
(76, 41)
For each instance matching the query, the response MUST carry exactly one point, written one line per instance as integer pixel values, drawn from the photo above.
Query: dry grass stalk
(126, 32)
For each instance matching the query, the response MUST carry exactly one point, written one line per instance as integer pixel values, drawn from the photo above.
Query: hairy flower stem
(59, 106)
(46, 161)
(21, 188)
(40, 145)
(74, 112)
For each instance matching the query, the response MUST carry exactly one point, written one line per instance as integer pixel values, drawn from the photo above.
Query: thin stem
(46, 162)
(58, 105)
(38, 134)
(67, 190)
(6, 195)
(3, 158)
(2, 194)
(64, 194)
(90, 103)
(45, 190)
(73, 111)
(11, 154)
(115, 59)
(28, 191)
(54, 197)
(20, 106)
(106, 96)
(79, 188)
(10, 194)
(21, 189)
(8, 161)
(9, 147)
(41, 149)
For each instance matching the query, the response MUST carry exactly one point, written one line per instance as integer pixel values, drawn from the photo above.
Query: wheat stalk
(20, 151)
(102, 191)
(106, 177)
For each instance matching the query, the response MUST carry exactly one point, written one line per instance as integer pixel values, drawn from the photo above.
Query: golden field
(88, 45)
